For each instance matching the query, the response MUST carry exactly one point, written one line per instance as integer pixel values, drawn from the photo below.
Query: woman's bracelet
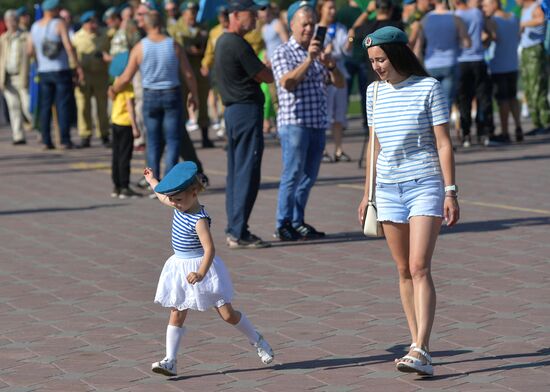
(452, 196)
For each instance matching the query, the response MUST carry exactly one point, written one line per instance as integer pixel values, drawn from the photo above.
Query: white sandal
(416, 365)
(412, 346)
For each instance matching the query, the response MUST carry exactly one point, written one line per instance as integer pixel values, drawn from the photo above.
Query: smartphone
(320, 34)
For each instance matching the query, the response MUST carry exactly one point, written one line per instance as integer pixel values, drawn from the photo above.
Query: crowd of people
(290, 70)
(176, 81)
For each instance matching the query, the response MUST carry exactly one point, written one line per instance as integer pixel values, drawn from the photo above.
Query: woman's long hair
(403, 59)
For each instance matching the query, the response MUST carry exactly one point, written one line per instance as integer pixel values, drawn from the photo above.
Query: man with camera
(302, 73)
(92, 47)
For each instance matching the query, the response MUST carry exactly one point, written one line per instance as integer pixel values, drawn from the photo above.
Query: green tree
(75, 6)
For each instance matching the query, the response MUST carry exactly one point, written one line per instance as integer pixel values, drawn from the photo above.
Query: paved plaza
(78, 272)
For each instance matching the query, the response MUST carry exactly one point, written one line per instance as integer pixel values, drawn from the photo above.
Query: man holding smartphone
(302, 73)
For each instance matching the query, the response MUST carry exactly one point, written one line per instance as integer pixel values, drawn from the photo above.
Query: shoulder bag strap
(373, 141)
(48, 27)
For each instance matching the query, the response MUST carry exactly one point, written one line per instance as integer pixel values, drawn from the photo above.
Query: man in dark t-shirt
(239, 73)
(235, 65)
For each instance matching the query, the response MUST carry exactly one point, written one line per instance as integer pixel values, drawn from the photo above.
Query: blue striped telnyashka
(404, 117)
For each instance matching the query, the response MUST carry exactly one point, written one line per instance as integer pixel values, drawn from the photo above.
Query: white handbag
(371, 226)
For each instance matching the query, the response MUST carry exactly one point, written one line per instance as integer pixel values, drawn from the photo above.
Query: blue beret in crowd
(178, 179)
(152, 5)
(186, 5)
(409, 2)
(48, 5)
(110, 12)
(262, 3)
(294, 7)
(21, 11)
(87, 16)
(385, 35)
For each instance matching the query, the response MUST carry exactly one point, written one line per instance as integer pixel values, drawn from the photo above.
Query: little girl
(193, 278)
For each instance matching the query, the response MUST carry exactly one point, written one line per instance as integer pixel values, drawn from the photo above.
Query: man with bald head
(302, 73)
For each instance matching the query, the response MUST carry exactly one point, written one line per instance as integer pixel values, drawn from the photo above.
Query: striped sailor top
(160, 65)
(185, 240)
(404, 117)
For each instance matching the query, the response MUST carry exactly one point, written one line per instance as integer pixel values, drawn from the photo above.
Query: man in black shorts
(239, 73)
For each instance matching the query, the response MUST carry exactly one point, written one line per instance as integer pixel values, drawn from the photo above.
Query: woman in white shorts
(415, 178)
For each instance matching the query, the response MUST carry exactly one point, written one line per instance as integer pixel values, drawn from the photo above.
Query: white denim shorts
(399, 202)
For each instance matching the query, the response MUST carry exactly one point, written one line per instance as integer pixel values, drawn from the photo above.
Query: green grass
(354, 108)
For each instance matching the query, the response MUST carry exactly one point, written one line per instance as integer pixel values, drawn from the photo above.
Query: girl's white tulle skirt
(173, 290)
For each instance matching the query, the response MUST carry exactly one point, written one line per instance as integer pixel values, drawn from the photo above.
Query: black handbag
(50, 48)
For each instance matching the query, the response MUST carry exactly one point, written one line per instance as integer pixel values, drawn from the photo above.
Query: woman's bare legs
(397, 237)
(412, 246)
(424, 231)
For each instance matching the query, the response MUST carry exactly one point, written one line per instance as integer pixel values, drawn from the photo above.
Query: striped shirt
(185, 239)
(160, 65)
(306, 105)
(404, 116)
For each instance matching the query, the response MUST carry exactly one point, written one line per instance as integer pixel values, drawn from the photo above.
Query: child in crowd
(125, 129)
(193, 278)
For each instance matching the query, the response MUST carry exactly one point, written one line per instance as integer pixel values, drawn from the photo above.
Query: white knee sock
(173, 337)
(246, 328)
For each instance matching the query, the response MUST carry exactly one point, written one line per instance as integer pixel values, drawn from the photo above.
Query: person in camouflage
(92, 46)
(534, 71)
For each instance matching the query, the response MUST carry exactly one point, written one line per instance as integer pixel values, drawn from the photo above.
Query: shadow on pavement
(496, 225)
(511, 159)
(328, 364)
(330, 238)
(59, 209)
(545, 352)
(468, 227)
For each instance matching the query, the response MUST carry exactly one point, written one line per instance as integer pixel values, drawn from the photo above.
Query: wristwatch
(451, 188)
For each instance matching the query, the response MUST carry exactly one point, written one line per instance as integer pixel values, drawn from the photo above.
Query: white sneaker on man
(191, 126)
(166, 367)
(265, 352)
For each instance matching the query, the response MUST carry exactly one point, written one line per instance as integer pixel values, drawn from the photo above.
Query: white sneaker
(191, 126)
(265, 352)
(216, 126)
(220, 133)
(166, 367)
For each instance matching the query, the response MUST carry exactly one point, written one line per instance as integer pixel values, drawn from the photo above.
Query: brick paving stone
(78, 272)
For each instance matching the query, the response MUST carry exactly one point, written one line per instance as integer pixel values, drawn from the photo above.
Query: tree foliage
(77, 7)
